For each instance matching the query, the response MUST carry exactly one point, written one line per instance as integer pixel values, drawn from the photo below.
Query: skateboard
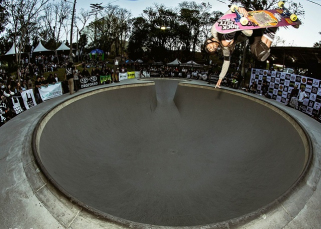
(256, 19)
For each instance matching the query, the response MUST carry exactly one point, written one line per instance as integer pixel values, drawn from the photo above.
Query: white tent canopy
(40, 48)
(63, 47)
(191, 63)
(175, 62)
(139, 61)
(12, 50)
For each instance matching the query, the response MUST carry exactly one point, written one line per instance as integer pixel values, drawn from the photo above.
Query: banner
(103, 79)
(131, 75)
(123, 76)
(137, 74)
(28, 99)
(88, 81)
(145, 74)
(16, 104)
(280, 85)
(51, 91)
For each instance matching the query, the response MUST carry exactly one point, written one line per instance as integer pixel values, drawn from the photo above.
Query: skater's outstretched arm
(226, 41)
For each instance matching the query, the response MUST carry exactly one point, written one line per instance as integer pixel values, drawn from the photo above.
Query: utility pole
(77, 44)
(72, 26)
(95, 9)
(71, 29)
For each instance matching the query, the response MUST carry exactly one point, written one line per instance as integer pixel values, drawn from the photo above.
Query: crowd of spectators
(32, 73)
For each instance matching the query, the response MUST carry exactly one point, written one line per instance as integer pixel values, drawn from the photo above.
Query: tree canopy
(159, 32)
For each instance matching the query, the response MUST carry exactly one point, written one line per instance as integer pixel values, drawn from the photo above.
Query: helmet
(211, 45)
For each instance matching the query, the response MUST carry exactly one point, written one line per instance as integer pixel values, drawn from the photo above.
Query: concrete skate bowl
(170, 153)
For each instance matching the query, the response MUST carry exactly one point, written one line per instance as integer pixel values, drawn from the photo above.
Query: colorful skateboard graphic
(256, 20)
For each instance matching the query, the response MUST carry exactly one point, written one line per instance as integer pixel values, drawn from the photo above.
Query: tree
(294, 7)
(197, 18)
(110, 29)
(3, 15)
(83, 17)
(179, 31)
(54, 16)
(123, 29)
(278, 41)
(317, 44)
(24, 15)
(138, 38)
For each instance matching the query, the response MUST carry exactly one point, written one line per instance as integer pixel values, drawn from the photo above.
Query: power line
(314, 2)
(221, 1)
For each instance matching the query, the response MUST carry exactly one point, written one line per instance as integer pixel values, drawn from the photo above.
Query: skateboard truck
(286, 12)
(239, 17)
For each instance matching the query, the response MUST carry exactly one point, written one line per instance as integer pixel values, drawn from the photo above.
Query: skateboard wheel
(281, 4)
(244, 21)
(234, 8)
(293, 17)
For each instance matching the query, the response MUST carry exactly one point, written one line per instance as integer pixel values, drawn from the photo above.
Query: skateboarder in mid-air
(260, 42)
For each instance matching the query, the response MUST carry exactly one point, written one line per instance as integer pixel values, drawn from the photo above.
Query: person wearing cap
(260, 42)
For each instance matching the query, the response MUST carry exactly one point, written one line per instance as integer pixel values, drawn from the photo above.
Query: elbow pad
(227, 58)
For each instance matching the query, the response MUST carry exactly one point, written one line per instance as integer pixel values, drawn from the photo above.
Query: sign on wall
(280, 85)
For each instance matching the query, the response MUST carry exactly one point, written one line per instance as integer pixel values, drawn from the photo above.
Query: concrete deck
(29, 200)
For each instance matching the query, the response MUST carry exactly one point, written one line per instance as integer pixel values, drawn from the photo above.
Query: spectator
(51, 79)
(302, 96)
(18, 90)
(4, 110)
(85, 72)
(293, 97)
(44, 82)
(69, 76)
(56, 78)
(264, 88)
(8, 95)
(94, 72)
(253, 87)
(239, 80)
(29, 84)
(76, 79)
(234, 81)
(24, 85)
(37, 93)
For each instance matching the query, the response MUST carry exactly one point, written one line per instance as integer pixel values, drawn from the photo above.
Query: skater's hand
(243, 11)
(218, 84)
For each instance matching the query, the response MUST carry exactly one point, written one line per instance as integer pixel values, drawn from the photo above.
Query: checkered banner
(280, 85)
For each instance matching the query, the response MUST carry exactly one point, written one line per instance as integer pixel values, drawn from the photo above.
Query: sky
(305, 36)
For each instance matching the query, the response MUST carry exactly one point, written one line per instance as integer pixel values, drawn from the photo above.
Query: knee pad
(260, 50)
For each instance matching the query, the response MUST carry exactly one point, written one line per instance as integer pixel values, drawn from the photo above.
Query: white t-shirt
(76, 74)
(302, 95)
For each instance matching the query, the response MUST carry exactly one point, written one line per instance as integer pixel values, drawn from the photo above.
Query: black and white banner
(280, 85)
(123, 76)
(16, 104)
(89, 81)
(28, 98)
(51, 91)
